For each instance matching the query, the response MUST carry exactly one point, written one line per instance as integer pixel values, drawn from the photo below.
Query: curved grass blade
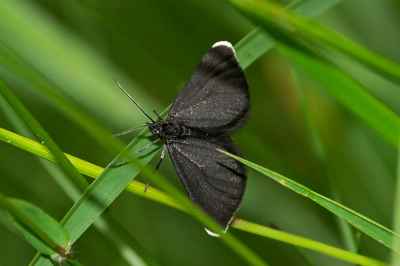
(369, 227)
(258, 42)
(153, 194)
(280, 21)
(349, 93)
(38, 228)
(305, 243)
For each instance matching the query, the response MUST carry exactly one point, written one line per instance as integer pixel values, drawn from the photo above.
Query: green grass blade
(306, 243)
(369, 227)
(349, 93)
(42, 135)
(38, 228)
(73, 263)
(100, 194)
(83, 166)
(258, 42)
(153, 194)
(280, 21)
(253, 46)
(311, 8)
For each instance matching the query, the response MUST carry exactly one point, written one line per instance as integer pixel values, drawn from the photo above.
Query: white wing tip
(226, 44)
(211, 233)
(223, 43)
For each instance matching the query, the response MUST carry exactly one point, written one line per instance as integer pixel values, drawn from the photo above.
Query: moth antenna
(132, 100)
(157, 114)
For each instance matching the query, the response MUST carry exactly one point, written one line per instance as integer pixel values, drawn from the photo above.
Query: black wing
(216, 99)
(212, 180)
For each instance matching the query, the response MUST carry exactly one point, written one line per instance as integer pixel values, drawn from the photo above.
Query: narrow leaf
(281, 22)
(258, 42)
(369, 227)
(102, 192)
(38, 228)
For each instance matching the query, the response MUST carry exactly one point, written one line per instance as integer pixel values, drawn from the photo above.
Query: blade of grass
(304, 243)
(369, 227)
(83, 166)
(311, 8)
(258, 42)
(127, 246)
(349, 93)
(38, 228)
(99, 195)
(153, 194)
(280, 21)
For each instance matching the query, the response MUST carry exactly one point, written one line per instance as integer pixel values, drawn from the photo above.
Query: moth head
(155, 128)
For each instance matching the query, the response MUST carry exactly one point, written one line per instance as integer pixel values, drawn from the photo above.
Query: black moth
(213, 103)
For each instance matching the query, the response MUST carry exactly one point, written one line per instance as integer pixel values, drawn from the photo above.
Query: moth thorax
(172, 129)
(165, 129)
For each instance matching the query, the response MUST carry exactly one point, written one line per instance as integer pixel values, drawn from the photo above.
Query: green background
(155, 46)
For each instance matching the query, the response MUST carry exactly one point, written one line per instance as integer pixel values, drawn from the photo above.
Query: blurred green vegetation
(152, 47)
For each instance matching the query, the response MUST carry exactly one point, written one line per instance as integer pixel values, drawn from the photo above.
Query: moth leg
(162, 156)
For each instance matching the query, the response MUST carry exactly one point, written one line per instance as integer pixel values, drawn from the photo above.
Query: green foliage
(39, 229)
(60, 58)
